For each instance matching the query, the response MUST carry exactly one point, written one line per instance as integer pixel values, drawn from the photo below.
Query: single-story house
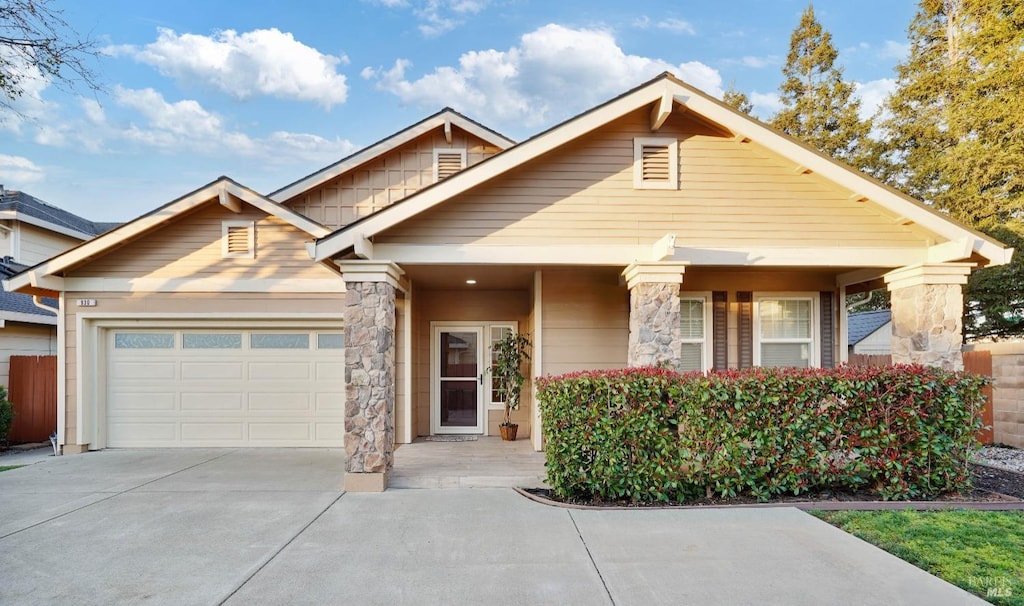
(870, 333)
(32, 231)
(660, 226)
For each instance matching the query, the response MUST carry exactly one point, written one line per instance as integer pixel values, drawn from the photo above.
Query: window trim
(707, 352)
(447, 150)
(673, 162)
(250, 235)
(813, 341)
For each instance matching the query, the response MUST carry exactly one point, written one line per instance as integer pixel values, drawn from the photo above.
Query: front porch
(486, 462)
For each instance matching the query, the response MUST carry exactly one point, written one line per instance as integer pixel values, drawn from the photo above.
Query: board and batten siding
(172, 305)
(191, 248)
(37, 244)
(731, 194)
(386, 180)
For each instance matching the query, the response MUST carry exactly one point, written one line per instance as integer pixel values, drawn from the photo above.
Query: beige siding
(400, 418)
(878, 343)
(469, 307)
(267, 304)
(585, 320)
(731, 194)
(17, 339)
(191, 247)
(384, 181)
(38, 245)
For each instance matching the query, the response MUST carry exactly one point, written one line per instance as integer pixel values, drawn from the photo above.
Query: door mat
(450, 438)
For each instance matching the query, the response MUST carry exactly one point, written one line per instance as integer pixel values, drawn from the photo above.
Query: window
(784, 331)
(144, 340)
(330, 340)
(693, 330)
(498, 332)
(655, 163)
(238, 240)
(447, 162)
(197, 340)
(278, 340)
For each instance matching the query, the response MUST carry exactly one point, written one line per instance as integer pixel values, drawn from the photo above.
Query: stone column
(654, 332)
(927, 314)
(371, 289)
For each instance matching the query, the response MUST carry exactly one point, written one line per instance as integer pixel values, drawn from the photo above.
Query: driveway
(271, 526)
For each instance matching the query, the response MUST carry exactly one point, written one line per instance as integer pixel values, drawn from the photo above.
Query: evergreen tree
(952, 136)
(737, 99)
(819, 107)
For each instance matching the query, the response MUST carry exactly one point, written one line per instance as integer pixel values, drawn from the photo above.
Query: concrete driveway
(272, 527)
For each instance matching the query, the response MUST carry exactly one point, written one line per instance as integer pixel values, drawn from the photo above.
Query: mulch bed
(995, 489)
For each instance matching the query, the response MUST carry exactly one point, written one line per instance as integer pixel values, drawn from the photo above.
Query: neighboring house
(31, 231)
(661, 226)
(870, 333)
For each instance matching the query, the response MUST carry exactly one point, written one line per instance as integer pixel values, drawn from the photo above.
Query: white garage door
(224, 387)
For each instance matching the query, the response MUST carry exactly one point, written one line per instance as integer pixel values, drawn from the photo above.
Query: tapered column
(654, 331)
(927, 314)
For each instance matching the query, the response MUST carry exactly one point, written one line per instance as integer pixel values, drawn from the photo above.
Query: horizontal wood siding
(731, 194)
(585, 320)
(400, 173)
(38, 245)
(192, 248)
(177, 303)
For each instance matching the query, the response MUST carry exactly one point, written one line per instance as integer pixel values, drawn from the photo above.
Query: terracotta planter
(508, 432)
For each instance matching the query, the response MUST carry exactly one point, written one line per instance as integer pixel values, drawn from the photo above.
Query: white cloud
(894, 50)
(186, 126)
(759, 62)
(553, 72)
(29, 107)
(677, 25)
(260, 62)
(16, 171)
(765, 104)
(437, 17)
(872, 94)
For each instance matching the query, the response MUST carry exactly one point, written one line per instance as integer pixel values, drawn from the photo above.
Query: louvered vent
(655, 163)
(448, 163)
(238, 239)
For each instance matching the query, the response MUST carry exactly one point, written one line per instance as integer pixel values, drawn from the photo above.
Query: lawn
(8, 467)
(980, 551)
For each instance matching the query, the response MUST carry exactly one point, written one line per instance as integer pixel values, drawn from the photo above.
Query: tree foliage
(819, 106)
(737, 99)
(952, 136)
(37, 43)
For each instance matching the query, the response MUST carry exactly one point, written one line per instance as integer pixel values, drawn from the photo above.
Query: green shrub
(6, 415)
(649, 434)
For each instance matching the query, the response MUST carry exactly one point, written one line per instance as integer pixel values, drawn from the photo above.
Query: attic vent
(238, 240)
(447, 162)
(656, 163)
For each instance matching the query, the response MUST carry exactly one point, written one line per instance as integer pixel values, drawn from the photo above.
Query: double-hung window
(784, 331)
(694, 327)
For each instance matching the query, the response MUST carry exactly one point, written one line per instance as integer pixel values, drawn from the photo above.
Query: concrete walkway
(271, 527)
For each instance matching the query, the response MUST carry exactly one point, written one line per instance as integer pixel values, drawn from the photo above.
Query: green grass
(979, 551)
(8, 467)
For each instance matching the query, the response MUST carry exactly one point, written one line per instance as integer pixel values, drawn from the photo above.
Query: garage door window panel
(279, 340)
(211, 340)
(330, 340)
(144, 340)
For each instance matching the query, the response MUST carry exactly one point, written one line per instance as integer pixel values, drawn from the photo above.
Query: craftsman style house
(659, 226)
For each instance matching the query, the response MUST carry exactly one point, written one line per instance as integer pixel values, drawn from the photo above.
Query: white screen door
(458, 362)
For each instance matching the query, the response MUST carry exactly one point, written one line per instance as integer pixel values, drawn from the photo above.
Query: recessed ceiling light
(471, 281)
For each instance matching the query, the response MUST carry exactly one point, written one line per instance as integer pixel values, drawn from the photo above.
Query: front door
(458, 361)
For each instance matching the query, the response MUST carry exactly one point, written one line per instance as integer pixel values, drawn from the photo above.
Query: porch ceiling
(453, 277)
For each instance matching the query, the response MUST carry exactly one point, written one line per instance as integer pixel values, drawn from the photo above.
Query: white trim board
(209, 284)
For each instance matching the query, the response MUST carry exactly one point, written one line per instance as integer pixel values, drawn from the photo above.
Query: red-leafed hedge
(653, 435)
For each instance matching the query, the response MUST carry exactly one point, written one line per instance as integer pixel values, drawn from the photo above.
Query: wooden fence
(33, 391)
(975, 362)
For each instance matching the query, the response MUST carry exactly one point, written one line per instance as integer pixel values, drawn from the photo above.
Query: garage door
(241, 387)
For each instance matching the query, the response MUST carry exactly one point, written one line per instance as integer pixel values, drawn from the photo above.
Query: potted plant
(511, 353)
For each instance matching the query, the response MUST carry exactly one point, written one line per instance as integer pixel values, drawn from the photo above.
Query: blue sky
(268, 91)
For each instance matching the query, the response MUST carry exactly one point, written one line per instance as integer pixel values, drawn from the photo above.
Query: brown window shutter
(448, 164)
(238, 239)
(655, 163)
(745, 328)
(720, 329)
(828, 330)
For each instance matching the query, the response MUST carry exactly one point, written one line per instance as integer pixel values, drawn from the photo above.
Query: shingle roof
(20, 202)
(863, 324)
(16, 302)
